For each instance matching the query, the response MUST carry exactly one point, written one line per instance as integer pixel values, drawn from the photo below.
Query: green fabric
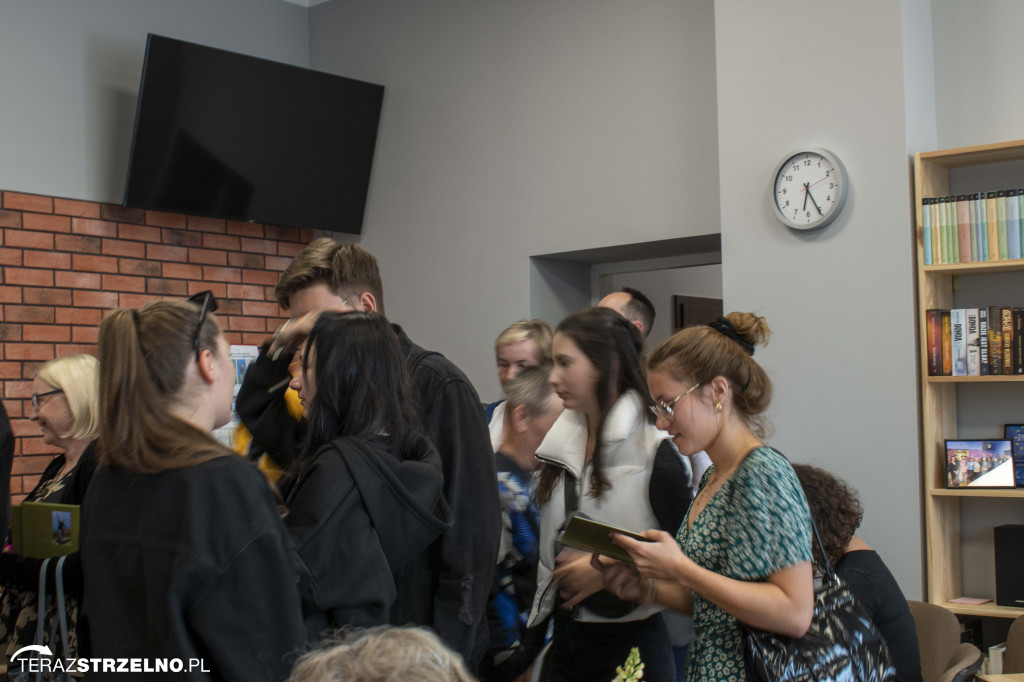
(756, 524)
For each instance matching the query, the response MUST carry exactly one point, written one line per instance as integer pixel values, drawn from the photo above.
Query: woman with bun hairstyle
(744, 551)
(605, 458)
(183, 550)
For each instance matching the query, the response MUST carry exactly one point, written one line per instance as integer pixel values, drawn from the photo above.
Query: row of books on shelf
(995, 463)
(975, 341)
(973, 228)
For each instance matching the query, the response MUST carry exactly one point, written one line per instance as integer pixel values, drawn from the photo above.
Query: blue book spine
(974, 225)
(1012, 224)
(926, 219)
(982, 226)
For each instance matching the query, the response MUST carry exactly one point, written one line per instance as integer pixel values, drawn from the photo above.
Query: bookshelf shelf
(1017, 493)
(1001, 379)
(989, 610)
(939, 395)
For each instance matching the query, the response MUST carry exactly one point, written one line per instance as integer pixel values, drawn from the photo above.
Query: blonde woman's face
(513, 358)
(54, 415)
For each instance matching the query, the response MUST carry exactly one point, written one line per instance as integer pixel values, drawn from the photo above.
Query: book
(933, 319)
(947, 345)
(1018, 341)
(1020, 215)
(983, 360)
(591, 535)
(1001, 223)
(41, 529)
(926, 229)
(973, 216)
(982, 227)
(973, 342)
(1006, 315)
(972, 601)
(954, 241)
(995, 340)
(993, 226)
(963, 228)
(958, 341)
(1012, 224)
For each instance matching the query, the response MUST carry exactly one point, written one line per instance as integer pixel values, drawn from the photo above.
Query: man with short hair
(632, 305)
(345, 277)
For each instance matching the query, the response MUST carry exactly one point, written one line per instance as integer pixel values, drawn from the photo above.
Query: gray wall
(70, 71)
(840, 300)
(517, 129)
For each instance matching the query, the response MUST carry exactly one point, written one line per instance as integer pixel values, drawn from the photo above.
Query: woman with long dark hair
(183, 551)
(365, 504)
(603, 457)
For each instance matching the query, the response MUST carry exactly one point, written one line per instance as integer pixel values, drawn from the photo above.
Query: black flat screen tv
(231, 136)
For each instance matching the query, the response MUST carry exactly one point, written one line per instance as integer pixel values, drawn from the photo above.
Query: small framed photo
(979, 464)
(1015, 434)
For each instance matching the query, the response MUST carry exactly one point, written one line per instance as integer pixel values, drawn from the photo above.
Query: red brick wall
(65, 262)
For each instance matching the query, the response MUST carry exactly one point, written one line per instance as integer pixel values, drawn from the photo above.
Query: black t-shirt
(876, 590)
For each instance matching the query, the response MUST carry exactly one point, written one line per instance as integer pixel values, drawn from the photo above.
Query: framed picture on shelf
(1015, 434)
(979, 464)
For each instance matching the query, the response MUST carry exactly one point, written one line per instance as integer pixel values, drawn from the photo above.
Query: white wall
(978, 53)
(840, 301)
(523, 128)
(70, 71)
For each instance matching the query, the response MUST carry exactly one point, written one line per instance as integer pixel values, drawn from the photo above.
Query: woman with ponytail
(744, 551)
(605, 458)
(183, 551)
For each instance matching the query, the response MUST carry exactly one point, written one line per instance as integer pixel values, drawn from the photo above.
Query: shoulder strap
(572, 498)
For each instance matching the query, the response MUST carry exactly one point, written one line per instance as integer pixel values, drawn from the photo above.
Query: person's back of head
(382, 654)
(144, 366)
(634, 306)
(346, 269)
(834, 506)
(362, 385)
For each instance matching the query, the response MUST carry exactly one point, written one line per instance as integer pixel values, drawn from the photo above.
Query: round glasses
(665, 409)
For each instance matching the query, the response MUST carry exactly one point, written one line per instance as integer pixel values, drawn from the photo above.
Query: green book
(590, 535)
(41, 529)
(1004, 249)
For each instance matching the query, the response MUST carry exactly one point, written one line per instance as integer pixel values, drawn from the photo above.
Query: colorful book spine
(958, 340)
(993, 226)
(926, 229)
(982, 227)
(995, 340)
(973, 339)
(1018, 340)
(933, 319)
(983, 341)
(1012, 224)
(947, 345)
(1020, 214)
(973, 214)
(954, 241)
(963, 228)
(937, 250)
(1004, 248)
(1006, 315)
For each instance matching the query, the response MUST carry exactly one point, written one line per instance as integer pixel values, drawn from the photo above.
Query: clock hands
(807, 190)
(812, 200)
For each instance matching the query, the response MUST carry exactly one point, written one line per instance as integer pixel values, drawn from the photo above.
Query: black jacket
(358, 513)
(449, 409)
(191, 563)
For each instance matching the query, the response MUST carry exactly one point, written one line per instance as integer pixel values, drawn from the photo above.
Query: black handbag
(841, 644)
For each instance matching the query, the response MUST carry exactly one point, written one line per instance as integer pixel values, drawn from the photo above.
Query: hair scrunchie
(723, 326)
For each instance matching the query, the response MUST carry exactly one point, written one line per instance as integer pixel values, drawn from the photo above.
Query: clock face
(810, 189)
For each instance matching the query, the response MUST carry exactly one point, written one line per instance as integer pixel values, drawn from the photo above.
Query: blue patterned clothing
(757, 523)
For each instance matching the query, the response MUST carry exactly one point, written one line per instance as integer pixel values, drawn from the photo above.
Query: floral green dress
(756, 524)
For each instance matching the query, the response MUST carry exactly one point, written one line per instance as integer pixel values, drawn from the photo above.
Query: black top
(877, 592)
(191, 563)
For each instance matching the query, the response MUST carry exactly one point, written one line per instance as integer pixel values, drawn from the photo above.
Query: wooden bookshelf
(935, 287)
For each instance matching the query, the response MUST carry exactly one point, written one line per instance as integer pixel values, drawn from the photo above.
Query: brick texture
(64, 263)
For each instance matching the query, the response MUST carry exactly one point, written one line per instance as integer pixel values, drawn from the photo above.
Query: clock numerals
(808, 185)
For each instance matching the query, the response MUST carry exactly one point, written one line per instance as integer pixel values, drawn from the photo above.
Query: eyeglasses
(37, 396)
(665, 409)
(208, 304)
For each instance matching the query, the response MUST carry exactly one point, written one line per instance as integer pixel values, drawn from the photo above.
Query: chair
(943, 657)
(1013, 658)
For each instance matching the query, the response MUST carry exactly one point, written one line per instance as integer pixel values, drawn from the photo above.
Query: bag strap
(61, 606)
(41, 611)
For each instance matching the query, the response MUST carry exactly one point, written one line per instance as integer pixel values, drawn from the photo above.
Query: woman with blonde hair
(64, 406)
(743, 553)
(184, 554)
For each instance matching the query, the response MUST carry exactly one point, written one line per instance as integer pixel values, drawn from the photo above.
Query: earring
(718, 407)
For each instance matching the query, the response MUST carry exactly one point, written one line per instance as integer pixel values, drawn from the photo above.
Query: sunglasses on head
(207, 304)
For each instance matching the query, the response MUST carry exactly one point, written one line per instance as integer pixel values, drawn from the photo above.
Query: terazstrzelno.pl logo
(45, 663)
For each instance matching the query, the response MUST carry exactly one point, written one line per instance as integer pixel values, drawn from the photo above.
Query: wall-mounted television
(231, 136)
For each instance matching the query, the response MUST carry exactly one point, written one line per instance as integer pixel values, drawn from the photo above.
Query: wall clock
(809, 189)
